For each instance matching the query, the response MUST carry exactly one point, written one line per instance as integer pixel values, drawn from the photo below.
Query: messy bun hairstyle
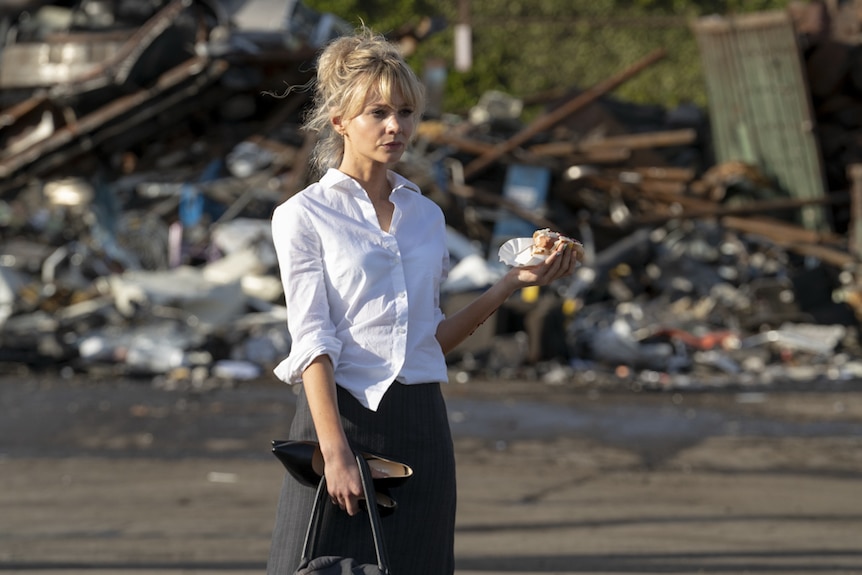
(349, 70)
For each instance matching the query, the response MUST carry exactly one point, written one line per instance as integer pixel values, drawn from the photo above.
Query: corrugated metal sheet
(759, 102)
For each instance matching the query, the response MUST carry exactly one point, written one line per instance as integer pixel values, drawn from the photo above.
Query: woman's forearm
(318, 379)
(460, 325)
(342, 474)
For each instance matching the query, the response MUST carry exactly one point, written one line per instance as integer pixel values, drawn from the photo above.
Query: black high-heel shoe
(304, 461)
(386, 472)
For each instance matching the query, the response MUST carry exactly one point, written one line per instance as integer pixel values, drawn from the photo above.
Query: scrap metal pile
(144, 145)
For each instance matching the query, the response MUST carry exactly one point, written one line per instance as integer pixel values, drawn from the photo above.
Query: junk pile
(144, 146)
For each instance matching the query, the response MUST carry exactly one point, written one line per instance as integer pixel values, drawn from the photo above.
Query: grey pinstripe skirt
(412, 426)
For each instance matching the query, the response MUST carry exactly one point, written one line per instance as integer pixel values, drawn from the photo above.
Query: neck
(374, 182)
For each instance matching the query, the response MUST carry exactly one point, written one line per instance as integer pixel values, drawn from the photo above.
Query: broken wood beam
(793, 238)
(119, 115)
(749, 208)
(565, 150)
(643, 141)
(9, 116)
(671, 174)
(557, 115)
(646, 140)
(665, 188)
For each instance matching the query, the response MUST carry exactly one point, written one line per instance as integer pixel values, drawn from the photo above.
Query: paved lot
(132, 479)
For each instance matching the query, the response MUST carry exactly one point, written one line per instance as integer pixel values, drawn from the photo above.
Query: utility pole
(463, 38)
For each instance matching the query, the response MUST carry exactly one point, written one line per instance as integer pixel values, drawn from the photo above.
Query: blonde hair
(349, 70)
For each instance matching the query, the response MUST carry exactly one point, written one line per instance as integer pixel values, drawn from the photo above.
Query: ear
(337, 125)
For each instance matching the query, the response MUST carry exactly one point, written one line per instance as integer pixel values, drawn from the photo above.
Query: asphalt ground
(136, 478)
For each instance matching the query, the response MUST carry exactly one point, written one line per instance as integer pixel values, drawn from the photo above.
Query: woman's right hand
(342, 480)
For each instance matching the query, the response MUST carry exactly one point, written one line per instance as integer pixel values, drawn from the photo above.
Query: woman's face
(379, 134)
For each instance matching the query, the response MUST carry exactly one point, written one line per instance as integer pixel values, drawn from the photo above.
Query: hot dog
(545, 241)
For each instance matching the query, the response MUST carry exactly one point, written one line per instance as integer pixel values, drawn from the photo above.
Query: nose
(394, 124)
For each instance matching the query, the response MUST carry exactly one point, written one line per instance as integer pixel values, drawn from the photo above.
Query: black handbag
(333, 564)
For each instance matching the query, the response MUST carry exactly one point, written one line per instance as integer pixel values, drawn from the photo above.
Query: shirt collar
(334, 178)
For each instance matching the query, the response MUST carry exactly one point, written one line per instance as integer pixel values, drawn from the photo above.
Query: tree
(526, 47)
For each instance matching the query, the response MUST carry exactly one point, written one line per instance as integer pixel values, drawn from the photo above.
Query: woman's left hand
(559, 264)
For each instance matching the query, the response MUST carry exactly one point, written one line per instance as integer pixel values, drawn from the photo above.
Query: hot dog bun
(545, 241)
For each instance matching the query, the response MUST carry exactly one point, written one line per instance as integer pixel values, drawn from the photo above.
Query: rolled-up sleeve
(300, 260)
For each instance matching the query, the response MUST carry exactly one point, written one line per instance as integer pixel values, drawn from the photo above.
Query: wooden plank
(793, 238)
(626, 142)
(667, 173)
(767, 207)
(644, 141)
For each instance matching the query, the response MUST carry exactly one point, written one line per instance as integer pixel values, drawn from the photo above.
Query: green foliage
(381, 15)
(528, 47)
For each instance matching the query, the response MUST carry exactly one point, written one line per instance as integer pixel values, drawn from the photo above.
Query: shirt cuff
(300, 357)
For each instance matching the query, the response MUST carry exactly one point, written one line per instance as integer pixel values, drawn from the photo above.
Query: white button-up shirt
(368, 299)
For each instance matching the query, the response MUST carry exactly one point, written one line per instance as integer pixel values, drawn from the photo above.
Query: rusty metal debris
(140, 165)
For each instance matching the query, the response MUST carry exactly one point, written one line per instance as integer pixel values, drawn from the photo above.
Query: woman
(362, 254)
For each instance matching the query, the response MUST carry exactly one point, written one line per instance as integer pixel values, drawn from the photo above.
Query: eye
(379, 113)
(405, 112)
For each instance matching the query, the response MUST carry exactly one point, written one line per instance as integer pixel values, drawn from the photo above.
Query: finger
(559, 268)
(556, 262)
(352, 506)
(549, 262)
(569, 263)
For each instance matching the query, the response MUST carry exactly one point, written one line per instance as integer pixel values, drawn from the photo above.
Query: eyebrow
(385, 104)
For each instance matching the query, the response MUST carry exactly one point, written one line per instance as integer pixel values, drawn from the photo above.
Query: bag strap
(314, 524)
